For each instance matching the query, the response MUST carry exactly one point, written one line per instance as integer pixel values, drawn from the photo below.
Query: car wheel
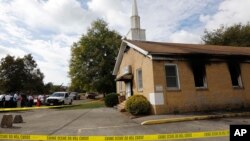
(70, 102)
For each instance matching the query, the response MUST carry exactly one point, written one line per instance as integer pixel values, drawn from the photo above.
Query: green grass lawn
(87, 105)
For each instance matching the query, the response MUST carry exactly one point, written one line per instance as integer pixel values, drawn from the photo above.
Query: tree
(236, 35)
(48, 88)
(20, 74)
(93, 59)
(51, 88)
(33, 80)
(11, 74)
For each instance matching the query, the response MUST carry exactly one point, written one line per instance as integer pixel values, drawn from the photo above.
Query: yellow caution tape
(29, 108)
(158, 137)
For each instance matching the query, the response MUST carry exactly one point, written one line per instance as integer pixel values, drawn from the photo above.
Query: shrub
(111, 100)
(137, 104)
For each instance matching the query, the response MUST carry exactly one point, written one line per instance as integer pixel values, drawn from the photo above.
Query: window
(199, 71)
(120, 86)
(234, 69)
(139, 80)
(172, 76)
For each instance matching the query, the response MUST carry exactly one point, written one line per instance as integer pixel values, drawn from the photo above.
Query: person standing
(44, 99)
(7, 101)
(39, 99)
(15, 98)
(12, 103)
(31, 100)
(19, 99)
(23, 100)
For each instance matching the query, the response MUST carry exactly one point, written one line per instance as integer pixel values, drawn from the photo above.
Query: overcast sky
(47, 28)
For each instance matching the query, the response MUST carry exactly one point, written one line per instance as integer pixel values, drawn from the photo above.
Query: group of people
(16, 100)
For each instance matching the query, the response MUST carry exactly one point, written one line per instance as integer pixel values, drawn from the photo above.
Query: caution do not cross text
(157, 137)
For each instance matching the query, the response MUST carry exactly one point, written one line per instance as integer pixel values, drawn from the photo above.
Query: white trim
(178, 78)
(123, 46)
(150, 56)
(136, 48)
(119, 58)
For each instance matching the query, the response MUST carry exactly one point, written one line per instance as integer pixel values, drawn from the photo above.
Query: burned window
(199, 71)
(172, 76)
(234, 69)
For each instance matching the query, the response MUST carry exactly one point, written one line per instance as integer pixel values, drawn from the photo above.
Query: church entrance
(128, 89)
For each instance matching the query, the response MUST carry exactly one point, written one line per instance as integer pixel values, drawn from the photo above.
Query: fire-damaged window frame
(235, 74)
(139, 80)
(202, 68)
(177, 79)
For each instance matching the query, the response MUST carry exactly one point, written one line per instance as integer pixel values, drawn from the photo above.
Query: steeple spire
(135, 33)
(134, 8)
(135, 18)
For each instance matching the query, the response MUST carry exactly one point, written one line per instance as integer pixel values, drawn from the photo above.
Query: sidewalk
(160, 119)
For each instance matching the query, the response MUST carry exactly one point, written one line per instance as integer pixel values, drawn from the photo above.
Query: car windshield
(58, 94)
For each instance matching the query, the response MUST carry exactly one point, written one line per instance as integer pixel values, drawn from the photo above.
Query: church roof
(182, 49)
(155, 49)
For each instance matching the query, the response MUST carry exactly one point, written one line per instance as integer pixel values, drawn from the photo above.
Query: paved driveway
(106, 121)
(101, 121)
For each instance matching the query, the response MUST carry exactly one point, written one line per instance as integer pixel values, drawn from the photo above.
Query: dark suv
(90, 95)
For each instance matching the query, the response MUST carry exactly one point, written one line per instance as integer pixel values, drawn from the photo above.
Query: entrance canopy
(125, 77)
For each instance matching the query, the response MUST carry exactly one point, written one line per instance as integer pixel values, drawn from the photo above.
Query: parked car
(75, 95)
(90, 95)
(59, 98)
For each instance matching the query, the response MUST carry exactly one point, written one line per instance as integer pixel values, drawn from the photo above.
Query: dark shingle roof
(182, 49)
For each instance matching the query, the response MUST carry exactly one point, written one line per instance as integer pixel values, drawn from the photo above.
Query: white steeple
(135, 33)
(135, 18)
(134, 8)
